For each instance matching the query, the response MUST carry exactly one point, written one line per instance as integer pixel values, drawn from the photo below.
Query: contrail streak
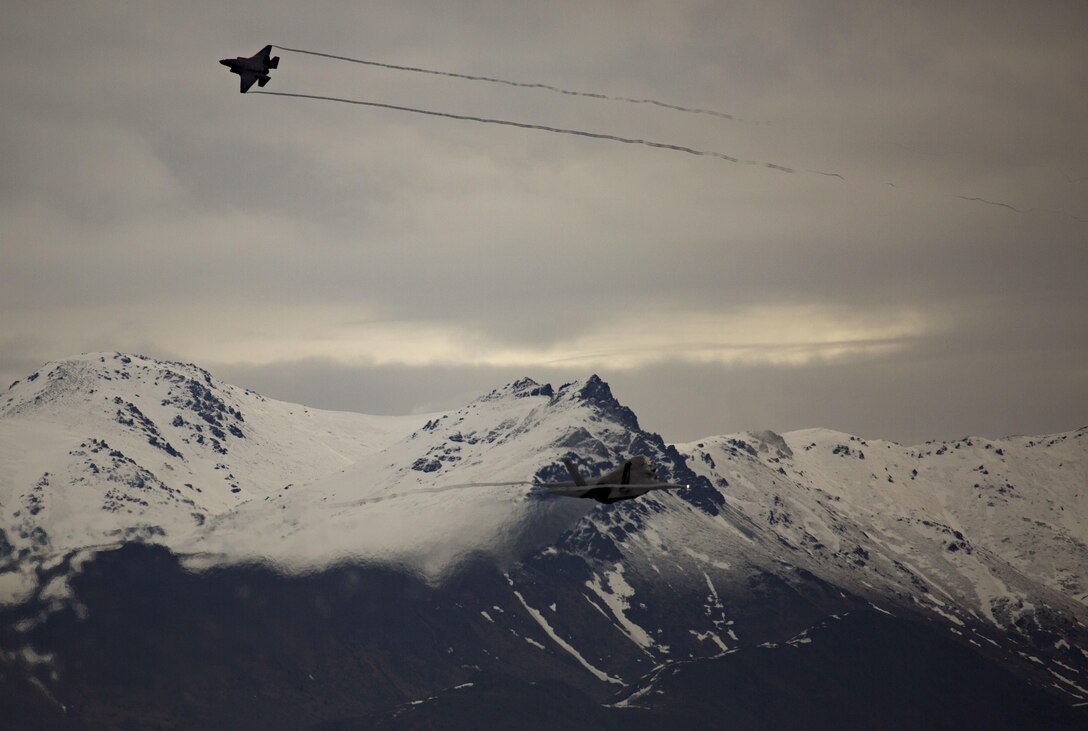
(1052, 211)
(991, 203)
(597, 135)
(521, 84)
(544, 128)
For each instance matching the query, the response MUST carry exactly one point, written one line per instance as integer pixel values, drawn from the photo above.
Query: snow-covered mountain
(379, 532)
(106, 447)
(974, 528)
(437, 495)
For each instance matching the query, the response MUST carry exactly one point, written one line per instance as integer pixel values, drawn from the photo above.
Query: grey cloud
(137, 175)
(909, 399)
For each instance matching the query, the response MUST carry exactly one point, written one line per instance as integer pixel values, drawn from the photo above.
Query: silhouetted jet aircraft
(635, 478)
(253, 69)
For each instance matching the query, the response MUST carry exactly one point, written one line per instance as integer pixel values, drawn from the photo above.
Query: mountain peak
(596, 389)
(521, 388)
(82, 376)
(595, 393)
(528, 387)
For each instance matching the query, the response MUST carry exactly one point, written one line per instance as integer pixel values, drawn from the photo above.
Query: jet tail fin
(574, 474)
(274, 62)
(626, 478)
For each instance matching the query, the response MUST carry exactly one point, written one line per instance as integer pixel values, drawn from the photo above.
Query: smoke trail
(523, 85)
(629, 141)
(1051, 211)
(544, 128)
(991, 203)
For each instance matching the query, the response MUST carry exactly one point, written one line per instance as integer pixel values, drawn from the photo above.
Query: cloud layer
(147, 206)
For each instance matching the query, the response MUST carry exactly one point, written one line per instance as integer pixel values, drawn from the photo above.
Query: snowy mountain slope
(818, 524)
(438, 495)
(107, 447)
(988, 535)
(961, 521)
(983, 540)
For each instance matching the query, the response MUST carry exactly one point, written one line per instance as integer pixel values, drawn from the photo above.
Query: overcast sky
(380, 261)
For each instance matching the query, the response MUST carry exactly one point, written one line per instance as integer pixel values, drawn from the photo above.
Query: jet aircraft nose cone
(225, 62)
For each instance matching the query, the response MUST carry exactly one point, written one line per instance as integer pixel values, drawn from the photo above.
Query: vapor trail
(521, 84)
(544, 128)
(991, 203)
(616, 138)
(1051, 211)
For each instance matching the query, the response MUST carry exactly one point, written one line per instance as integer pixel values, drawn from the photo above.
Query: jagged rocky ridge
(358, 536)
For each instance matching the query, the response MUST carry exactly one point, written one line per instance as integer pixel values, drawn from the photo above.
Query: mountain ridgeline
(177, 552)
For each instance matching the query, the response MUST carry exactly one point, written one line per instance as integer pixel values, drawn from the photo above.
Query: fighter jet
(635, 478)
(253, 69)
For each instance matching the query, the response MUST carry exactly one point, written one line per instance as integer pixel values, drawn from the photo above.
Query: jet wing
(248, 80)
(263, 54)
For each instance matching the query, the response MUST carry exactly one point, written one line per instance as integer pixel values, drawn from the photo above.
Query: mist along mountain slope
(178, 552)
